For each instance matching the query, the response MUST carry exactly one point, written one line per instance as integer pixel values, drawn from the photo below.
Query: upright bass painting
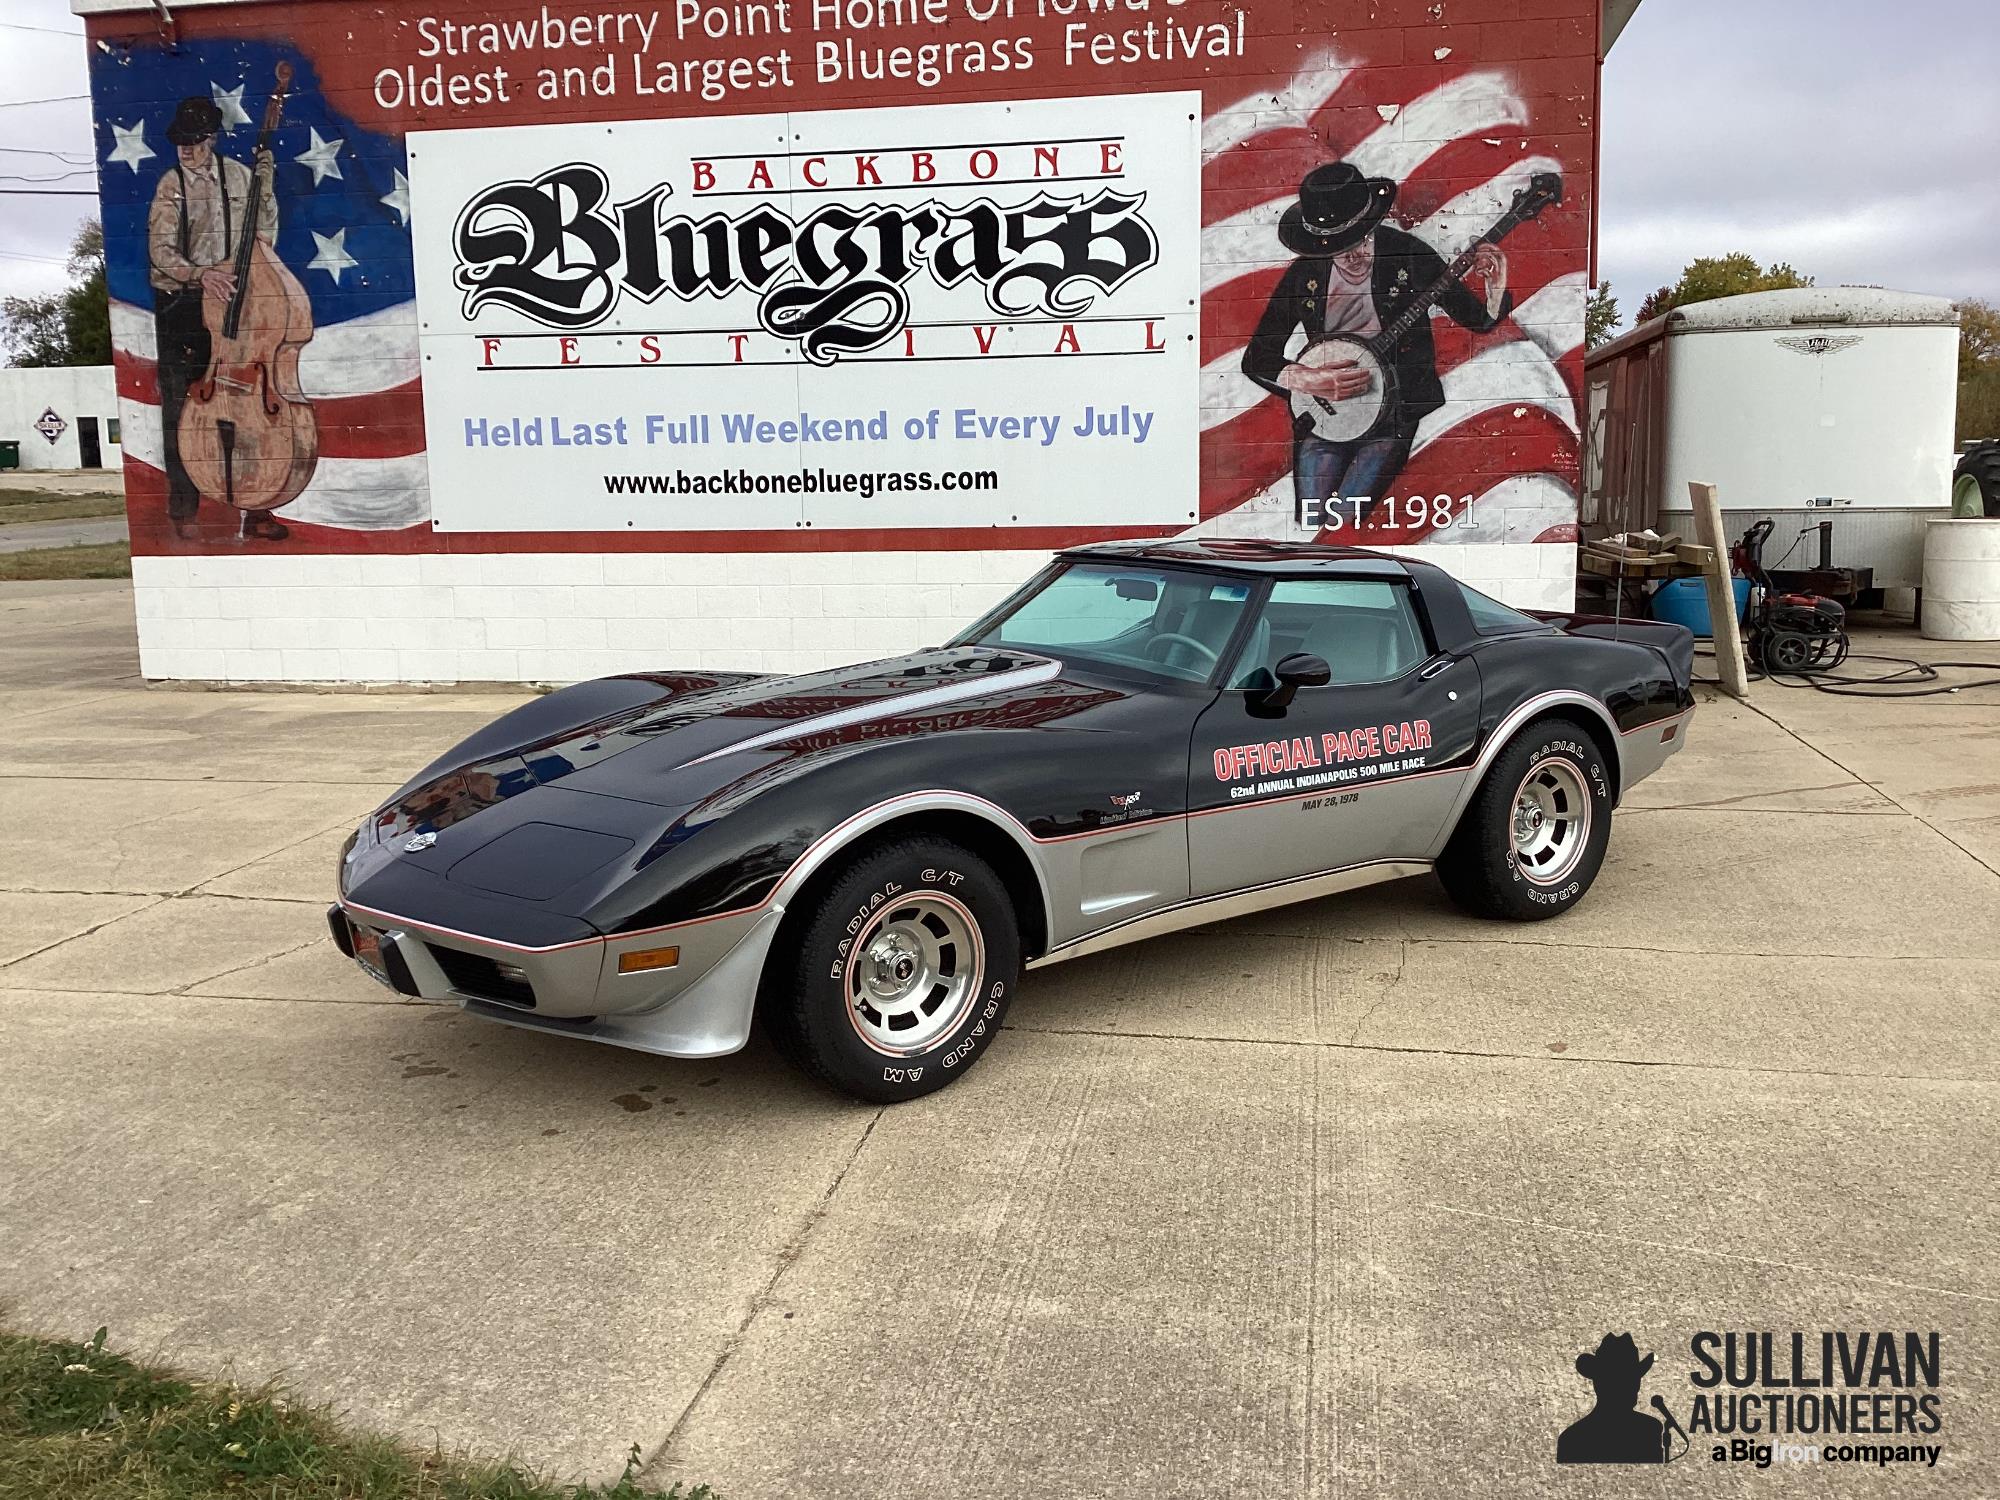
(262, 323)
(231, 319)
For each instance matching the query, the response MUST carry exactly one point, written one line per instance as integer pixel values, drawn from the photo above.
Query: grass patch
(82, 1422)
(97, 560)
(20, 506)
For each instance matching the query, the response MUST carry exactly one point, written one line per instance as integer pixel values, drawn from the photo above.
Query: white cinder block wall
(564, 617)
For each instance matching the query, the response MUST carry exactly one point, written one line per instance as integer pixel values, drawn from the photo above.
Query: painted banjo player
(1361, 292)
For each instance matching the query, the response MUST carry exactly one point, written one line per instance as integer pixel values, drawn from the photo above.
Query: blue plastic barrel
(1684, 601)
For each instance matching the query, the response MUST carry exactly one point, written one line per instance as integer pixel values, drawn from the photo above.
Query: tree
(1978, 370)
(1978, 338)
(70, 327)
(1600, 316)
(1720, 276)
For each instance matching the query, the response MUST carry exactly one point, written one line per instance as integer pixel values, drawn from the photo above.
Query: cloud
(1852, 138)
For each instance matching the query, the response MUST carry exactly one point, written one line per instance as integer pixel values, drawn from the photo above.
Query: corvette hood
(679, 761)
(660, 740)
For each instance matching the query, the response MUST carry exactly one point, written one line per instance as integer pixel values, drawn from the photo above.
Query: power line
(50, 30)
(55, 177)
(52, 99)
(63, 156)
(54, 260)
(47, 193)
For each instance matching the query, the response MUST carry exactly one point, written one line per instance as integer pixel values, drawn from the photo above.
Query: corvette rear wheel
(902, 972)
(1531, 841)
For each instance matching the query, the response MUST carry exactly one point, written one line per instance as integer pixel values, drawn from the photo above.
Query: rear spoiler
(1674, 642)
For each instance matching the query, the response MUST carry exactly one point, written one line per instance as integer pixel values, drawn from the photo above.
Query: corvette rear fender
(992, 832)
(1570, 704)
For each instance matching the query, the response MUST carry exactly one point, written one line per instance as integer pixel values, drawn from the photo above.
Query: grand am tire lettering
(965, 1048)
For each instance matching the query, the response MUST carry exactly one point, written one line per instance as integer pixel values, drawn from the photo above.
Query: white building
(64, 418)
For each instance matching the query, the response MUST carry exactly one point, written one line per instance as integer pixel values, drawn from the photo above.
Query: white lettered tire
(902, 973)
(1532, 839)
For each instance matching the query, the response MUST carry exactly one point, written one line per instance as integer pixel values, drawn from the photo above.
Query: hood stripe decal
(887, 708)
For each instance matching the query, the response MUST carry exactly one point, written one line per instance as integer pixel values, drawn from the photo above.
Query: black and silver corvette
(1144, 737)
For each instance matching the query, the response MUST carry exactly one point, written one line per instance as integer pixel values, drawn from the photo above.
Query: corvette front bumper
(701, 1006)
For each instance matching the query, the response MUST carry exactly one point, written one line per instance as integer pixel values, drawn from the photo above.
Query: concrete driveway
(1324, 1202)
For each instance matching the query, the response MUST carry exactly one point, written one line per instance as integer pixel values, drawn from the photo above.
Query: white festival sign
(967, 315)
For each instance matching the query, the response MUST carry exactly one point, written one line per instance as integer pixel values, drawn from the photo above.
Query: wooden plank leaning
(1721, 596)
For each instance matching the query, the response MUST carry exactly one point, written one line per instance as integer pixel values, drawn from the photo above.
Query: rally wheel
(1532, 839)
(902, 971)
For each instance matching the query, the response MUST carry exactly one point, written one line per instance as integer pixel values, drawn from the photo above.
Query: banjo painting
(1368, 412)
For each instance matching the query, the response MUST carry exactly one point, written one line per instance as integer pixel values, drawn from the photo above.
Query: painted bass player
(1366, 372)
(192, 234)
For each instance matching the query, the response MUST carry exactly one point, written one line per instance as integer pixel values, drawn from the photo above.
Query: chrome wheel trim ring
(1550, 823)
(914, 973)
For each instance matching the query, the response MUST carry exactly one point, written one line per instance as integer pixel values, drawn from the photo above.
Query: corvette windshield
(1158, 620)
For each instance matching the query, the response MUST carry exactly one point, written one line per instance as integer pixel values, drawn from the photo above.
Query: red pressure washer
(1786, 633)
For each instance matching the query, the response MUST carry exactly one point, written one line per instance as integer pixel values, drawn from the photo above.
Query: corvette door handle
(1436, 667)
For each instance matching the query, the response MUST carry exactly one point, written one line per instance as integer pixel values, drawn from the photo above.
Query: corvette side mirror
(1300, 669)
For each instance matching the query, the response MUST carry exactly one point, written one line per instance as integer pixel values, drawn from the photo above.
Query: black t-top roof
(1248, 556)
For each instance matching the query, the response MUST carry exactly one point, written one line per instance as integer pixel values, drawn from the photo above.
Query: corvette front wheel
(902, 974)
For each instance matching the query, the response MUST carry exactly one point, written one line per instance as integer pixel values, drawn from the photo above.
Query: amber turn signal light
(644, 960)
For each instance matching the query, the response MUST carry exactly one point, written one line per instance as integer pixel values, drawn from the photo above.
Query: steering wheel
(1173, 637)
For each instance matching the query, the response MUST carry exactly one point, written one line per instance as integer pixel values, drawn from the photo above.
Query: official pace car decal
(1303, 762)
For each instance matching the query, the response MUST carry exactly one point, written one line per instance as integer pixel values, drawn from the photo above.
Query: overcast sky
(1858, 139)
(35, 232)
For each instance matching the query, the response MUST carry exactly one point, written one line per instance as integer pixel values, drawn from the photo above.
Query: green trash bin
(10, 455)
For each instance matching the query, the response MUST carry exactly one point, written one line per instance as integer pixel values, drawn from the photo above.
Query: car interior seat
(1362, 645)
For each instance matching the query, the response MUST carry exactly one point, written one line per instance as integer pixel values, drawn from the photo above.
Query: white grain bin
(1962, 580)
(1824, 403)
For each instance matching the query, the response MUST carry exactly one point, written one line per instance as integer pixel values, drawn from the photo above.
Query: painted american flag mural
(1459, 141)
(1460, 104)
(343, 227)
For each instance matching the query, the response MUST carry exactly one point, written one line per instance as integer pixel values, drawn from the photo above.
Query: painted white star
(399, 198)
(230, 102)
(333, 257)
(131, 148)
(320, 157)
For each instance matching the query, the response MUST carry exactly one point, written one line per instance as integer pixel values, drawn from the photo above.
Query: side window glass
(1366, 631)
